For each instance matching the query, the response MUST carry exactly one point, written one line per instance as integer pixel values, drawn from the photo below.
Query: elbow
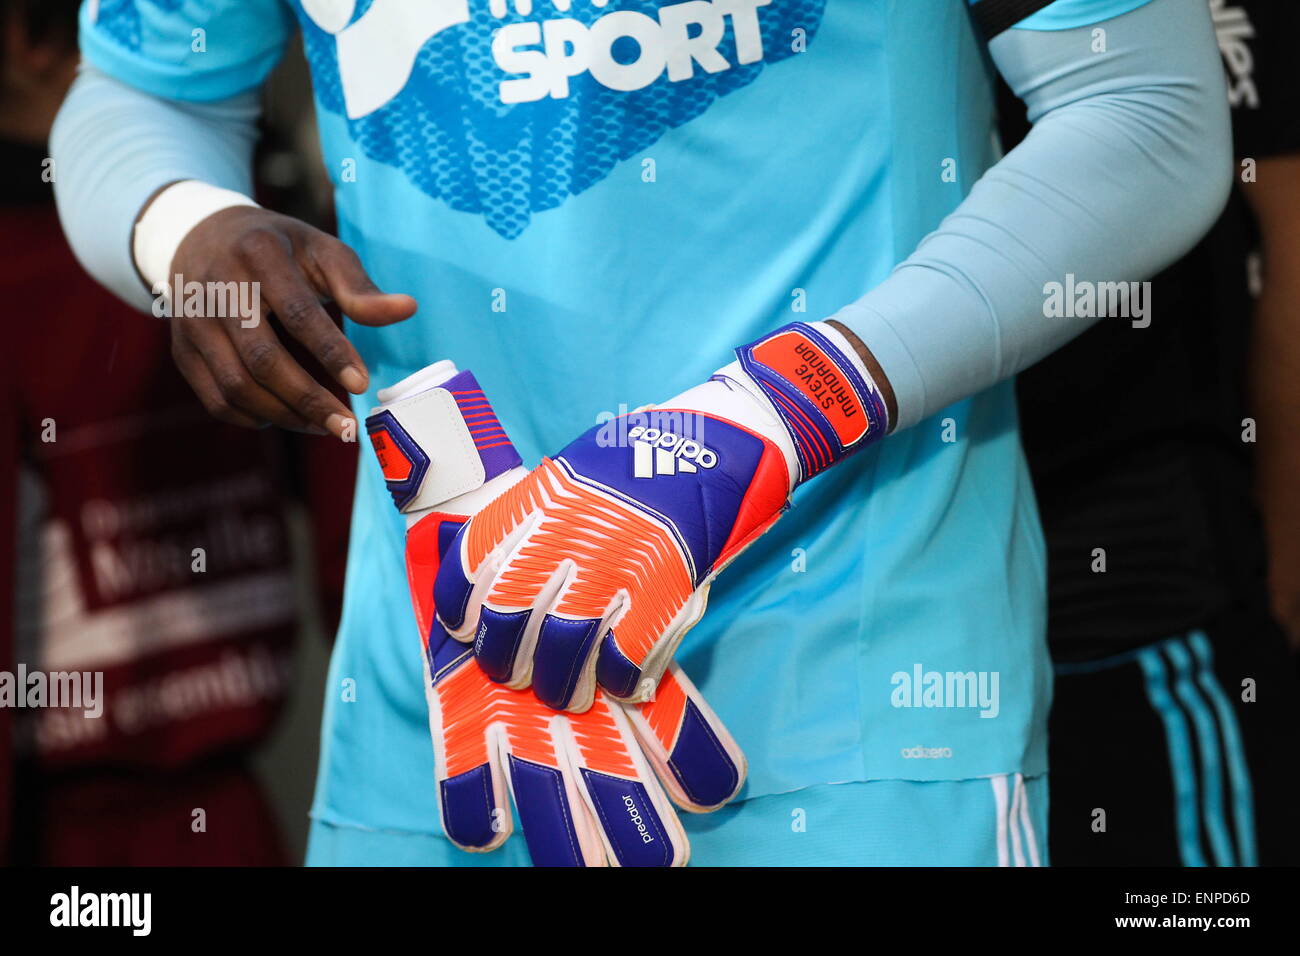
(1211, 178)
(66, 136)
(62, 134)
(1202, 186)
(1190, 180)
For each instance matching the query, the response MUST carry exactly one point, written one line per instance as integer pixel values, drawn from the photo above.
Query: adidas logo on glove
(657, 452)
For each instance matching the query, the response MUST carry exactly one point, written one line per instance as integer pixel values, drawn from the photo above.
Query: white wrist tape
(168, 220)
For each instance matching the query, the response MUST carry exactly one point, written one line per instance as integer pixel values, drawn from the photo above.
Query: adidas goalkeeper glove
(584, 784)
(592, 568)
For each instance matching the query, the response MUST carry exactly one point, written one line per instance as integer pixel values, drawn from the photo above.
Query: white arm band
(168, 220)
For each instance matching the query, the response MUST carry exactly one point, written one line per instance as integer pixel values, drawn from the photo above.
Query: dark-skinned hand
(239, 368)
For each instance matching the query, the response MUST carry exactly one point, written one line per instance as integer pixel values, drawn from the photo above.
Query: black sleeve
(1256, 38)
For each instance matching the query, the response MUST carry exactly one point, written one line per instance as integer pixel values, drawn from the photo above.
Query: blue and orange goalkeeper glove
(589, 788)
(593, 568)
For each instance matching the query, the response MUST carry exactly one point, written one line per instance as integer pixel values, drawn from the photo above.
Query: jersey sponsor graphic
(377, 47)
(505, 108)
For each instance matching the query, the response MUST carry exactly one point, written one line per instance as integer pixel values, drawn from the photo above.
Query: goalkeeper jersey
(594, 202)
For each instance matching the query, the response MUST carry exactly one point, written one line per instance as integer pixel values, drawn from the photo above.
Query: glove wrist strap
(437, 438)
(821, 391)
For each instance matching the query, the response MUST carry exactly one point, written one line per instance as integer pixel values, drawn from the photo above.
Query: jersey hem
(333, 818)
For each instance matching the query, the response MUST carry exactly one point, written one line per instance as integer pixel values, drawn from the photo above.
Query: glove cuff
(437, 438)
(820, 390)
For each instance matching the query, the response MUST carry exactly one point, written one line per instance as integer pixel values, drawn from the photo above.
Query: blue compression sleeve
(114, 146)
(1126, 167)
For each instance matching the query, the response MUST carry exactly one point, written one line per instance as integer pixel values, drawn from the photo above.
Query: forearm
(1127, 165)
(1275, 386)
(1275, 399)
(115, 147)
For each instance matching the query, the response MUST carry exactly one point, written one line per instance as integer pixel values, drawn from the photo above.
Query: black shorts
(1160, 756)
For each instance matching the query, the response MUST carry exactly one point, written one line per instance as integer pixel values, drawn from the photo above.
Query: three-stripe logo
(656, 452)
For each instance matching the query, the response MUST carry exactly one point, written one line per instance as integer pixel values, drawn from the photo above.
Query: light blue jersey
(1000, 821)
(593, 204)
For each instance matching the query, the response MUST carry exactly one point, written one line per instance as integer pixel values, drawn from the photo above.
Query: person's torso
(601, 235)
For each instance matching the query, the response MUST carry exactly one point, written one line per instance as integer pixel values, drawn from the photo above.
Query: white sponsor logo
(377, 51)
(685, 38)
(656, 452)
(376, 54)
